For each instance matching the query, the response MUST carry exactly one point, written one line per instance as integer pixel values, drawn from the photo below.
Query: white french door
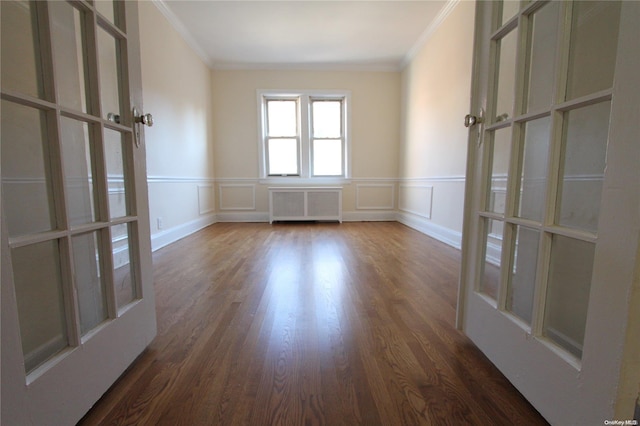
(552, 209)
(77, 294)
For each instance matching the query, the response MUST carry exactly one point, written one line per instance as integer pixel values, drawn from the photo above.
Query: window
(303, 135)
(283, 137)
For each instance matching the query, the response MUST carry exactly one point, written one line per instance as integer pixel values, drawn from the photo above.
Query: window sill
(304, 181)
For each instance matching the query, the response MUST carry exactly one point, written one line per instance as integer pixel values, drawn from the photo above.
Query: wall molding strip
(426, 35)
(440, 233)
(182, 30)
(179, 179)
(171, 235)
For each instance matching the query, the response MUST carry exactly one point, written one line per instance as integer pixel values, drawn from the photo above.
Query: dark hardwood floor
(309, 324)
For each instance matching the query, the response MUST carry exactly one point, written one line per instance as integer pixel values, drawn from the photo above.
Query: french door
(552, 201)
(77, 295)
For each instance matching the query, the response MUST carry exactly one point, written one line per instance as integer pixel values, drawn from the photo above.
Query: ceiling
(376, 35)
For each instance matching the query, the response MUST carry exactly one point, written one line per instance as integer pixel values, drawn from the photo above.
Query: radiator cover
(305, 203)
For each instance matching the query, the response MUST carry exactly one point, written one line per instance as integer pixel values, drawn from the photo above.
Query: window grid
(322, 141)
(48, 102)
(277, 135)
(548, 226)
(320, 153)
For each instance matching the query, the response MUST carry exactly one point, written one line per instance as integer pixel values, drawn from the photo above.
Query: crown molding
(428, 32)
(182, 30)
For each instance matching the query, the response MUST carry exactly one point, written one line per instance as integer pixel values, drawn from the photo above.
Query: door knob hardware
(113, 117)
(146, 119)
(471, 120)
(139, 118)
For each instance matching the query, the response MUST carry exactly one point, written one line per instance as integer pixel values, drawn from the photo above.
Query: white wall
(375, 130)
(177, 91)
(436, 86)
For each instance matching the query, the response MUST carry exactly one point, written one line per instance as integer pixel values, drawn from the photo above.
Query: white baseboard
(440, 233)
(421, 224)
(353, 216)
(243, 217)
(369, 216)
(166, 237)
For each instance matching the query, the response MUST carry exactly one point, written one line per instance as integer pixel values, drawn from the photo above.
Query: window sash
(270, 107)
(320, 152)
(320, 101)
(279, 166)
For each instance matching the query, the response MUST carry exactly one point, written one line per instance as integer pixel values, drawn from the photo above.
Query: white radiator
(305, 203)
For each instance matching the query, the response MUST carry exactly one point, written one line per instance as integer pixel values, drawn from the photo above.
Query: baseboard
(369, 216)
(243, 217)
(440, 233)
(421, 224)
(353, 216)
(176, 233)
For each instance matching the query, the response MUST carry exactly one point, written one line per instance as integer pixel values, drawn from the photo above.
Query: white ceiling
(379, 35)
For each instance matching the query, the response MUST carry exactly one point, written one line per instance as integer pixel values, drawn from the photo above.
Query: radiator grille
(288, 204)
(323, 203)
(315, 203)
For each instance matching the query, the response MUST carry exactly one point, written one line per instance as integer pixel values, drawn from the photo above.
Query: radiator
(305, 203)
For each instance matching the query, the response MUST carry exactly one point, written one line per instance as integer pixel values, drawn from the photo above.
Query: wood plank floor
(309, 324)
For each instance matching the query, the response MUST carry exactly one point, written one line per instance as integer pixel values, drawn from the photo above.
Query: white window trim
(304, 117)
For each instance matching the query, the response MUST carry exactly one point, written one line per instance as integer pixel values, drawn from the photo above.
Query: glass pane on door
(21, 68)
(27, 191)
(500, 152)
(542, 57)
(509, 9)
(594, 41)
(505, 75)
(123, 274)
(568, 290)
(91, 292)
(78, 168)
(106, 9)
(522, 280)
(490, 280)
(114, 153)
(533, 175)
(585, 151)
(41, 312)
(109, 63)
(69, 51)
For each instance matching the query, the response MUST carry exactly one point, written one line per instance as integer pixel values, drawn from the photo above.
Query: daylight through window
(304, 135)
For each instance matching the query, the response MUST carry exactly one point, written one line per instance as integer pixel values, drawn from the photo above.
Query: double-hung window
(282, 138)
(304, 135)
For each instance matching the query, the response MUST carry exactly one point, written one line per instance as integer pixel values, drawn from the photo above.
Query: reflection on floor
(334, 324)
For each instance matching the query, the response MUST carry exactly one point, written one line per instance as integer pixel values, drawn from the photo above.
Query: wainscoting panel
(375, 196)
(434, 206)
(179, 206)
(237, 196)
(416, 199)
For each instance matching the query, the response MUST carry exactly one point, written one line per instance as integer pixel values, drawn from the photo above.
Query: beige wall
(177, 91)
(408, 144)
(432, 155)
(375, 131)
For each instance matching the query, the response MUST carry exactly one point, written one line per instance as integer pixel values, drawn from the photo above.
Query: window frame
(313, 138)
(304, 98)
(267, 136)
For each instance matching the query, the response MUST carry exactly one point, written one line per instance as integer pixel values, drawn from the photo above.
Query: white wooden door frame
(608, 376)
(53, 395)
